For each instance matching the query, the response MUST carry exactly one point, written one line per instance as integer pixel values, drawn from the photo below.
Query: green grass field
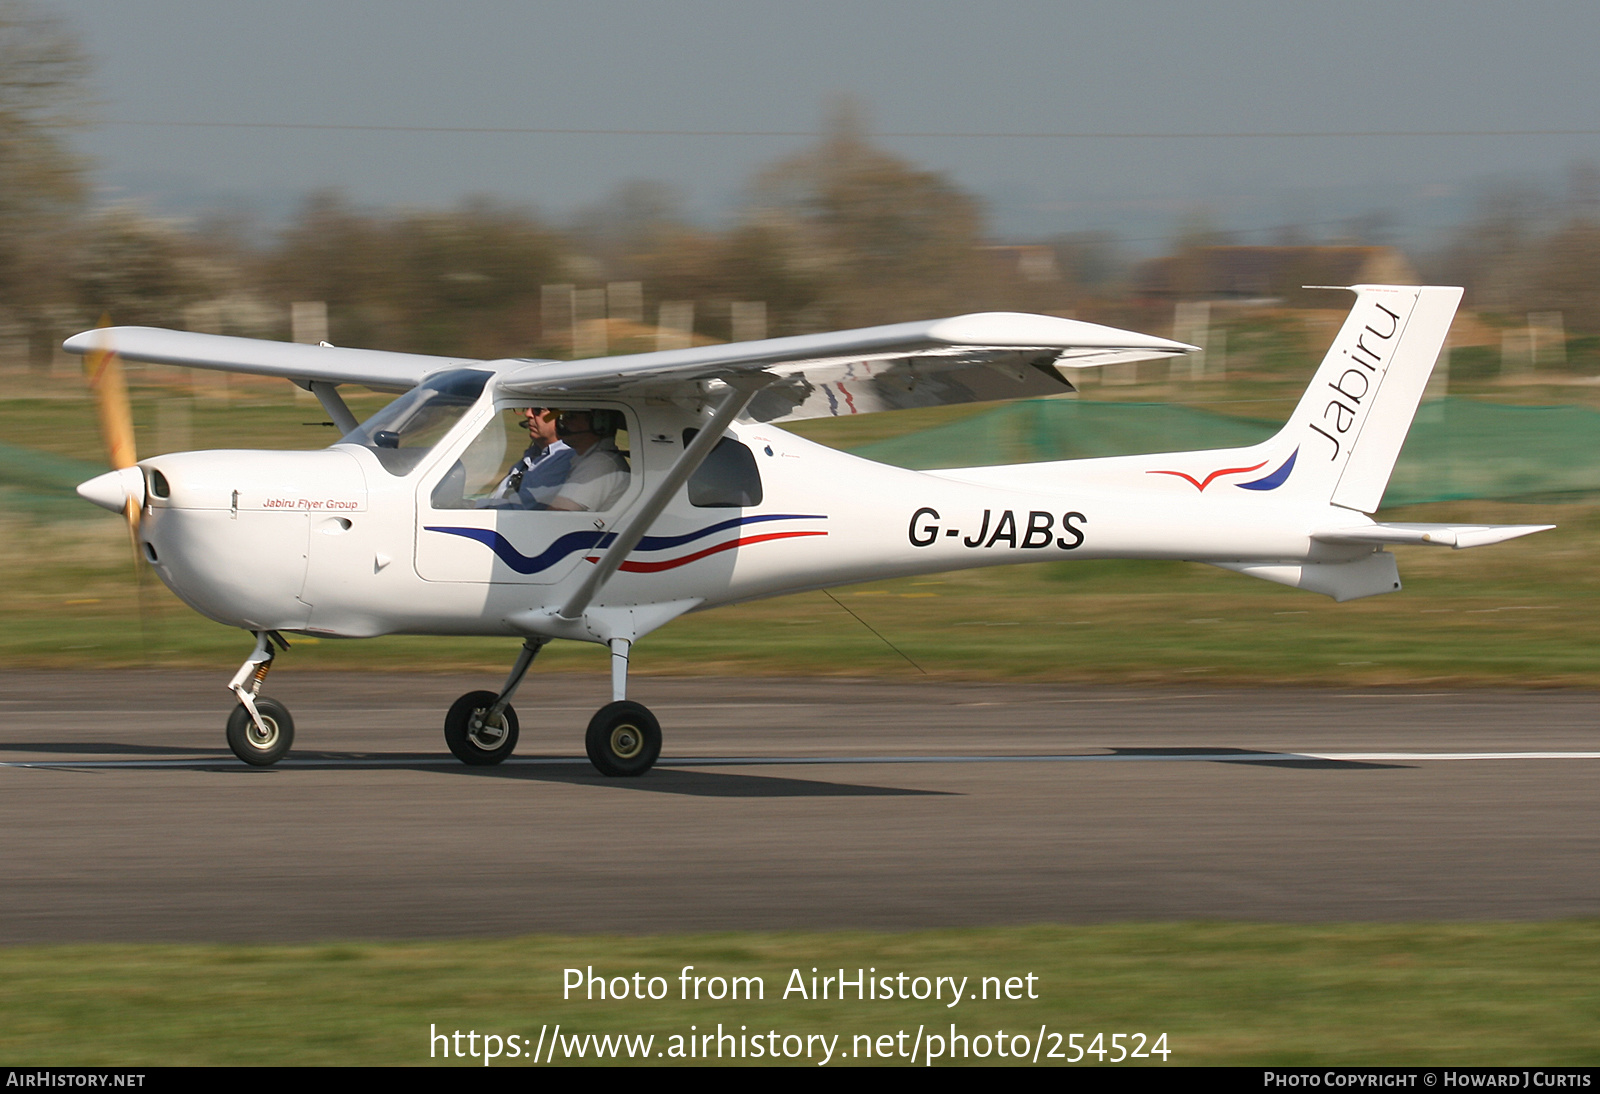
(1241, 994)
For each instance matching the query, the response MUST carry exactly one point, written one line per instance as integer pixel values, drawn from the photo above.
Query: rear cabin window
(728, 479)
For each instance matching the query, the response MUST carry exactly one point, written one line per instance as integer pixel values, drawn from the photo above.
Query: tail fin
(1352, 420)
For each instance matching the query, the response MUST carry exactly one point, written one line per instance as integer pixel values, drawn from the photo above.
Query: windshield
(403, 432)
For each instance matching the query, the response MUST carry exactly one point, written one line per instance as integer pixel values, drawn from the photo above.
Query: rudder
(1352, 421)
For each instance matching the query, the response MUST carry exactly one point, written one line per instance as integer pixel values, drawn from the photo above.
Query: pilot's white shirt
(597, 479)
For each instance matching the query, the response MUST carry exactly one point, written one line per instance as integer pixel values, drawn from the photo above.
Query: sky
(1165, 70)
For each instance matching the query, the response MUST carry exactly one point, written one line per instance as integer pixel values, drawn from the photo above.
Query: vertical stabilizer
(1353, 419)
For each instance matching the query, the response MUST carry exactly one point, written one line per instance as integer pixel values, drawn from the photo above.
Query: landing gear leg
(260, 731)
(481, 728)
(624, 738)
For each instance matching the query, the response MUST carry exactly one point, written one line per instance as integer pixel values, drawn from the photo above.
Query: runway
(818, 803)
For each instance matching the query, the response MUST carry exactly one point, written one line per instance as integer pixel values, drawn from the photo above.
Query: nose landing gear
(260, 730)
(263, 744)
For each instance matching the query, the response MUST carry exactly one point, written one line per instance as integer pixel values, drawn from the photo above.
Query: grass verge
(1224, 993)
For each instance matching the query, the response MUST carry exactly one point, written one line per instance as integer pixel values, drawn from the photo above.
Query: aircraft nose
(113, 489)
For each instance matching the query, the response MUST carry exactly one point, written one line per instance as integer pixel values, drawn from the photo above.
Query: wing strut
(328, 395)
(741, 389)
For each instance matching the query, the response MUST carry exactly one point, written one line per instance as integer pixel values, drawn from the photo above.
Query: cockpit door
(472, 528)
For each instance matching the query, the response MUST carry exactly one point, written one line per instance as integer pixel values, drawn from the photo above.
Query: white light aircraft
(408, 525)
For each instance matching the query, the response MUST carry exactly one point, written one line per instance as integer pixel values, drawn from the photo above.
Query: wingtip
(1027, 329)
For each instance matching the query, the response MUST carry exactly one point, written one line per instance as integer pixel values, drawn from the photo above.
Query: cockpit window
(544, 457)
(403, 432)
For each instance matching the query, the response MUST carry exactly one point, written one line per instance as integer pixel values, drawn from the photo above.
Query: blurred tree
(631, 228)
(856, 235)
(141, 270)
(1565, 267)
(1197, 231)
(1377, 228)
(42, 74)
(458, 281)
(1492, 253)
(1090, 261)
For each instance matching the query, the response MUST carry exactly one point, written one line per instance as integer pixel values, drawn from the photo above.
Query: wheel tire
(624, 738)
(488, 744)
(248, 742)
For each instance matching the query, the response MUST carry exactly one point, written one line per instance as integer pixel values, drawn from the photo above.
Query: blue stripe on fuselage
(584, 541)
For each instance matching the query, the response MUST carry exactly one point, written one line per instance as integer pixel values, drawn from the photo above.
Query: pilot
(599, 473)
(535, 478)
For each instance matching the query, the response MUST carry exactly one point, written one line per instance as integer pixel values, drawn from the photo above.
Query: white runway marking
(380, 760)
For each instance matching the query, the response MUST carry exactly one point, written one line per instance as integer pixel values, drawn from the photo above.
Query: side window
(559, 459)
(478, 474)
(600, 472)
(728, 479)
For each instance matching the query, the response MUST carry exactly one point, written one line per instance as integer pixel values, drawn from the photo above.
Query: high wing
(303, 364)
(969, 358)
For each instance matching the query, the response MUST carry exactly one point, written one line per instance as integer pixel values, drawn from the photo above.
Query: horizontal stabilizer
(1459, 536)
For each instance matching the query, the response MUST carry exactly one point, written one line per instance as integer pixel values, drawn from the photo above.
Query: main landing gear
(260, 731)
(481, 728)
(623, 738)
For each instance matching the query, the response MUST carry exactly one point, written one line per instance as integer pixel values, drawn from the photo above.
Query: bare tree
(463, 280)
(878, 239)
(42, 74)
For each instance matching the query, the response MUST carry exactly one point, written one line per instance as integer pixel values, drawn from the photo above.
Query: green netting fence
(1458, 448)
(41, 484)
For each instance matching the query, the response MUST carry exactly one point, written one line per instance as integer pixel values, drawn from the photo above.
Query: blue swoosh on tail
(1273, 480)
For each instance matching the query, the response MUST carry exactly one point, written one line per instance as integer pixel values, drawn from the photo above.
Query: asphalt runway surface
(815, 803)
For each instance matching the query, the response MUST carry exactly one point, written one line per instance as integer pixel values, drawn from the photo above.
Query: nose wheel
(265, 739)
(260, 731)
(624, 738)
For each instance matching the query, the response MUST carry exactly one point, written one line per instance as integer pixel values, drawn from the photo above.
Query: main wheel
(250, 743)
(624, 738)
(473, 740)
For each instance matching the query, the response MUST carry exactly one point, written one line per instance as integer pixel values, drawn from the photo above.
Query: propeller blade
(104, 369)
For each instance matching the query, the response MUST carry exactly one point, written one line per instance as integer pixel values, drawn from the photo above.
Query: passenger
(538, 475)
(599, 474)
